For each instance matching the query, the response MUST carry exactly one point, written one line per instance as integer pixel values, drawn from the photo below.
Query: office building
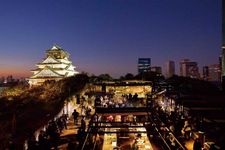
(189, 69)
(223, 47)
(169, 69)
(223, 67)
(156, 69)
(205, 73)
(214, 72)
(144, 65)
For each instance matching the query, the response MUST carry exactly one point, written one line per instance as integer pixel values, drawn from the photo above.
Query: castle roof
(51, 73)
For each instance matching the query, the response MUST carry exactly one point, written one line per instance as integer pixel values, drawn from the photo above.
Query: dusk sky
(108, 36)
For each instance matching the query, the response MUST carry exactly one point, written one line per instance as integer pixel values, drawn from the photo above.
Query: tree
(129, 76)
(188, 85)
(150, 76)
(105, 77)
(155, 77)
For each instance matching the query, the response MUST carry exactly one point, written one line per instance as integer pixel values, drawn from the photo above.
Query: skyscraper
(205, 73)
(189, 69)
(223, 46)
(223, 23)
(214, 72)
(223, 65)
(170, 69)
(144, 65)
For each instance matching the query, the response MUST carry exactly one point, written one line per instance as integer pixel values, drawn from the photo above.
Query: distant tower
(223, 46)
(223, 67)
(214, 72)
(55, 66)
(205, 73)
(170, 69)
(220, 66)
(189, 69)
(144, 65)
(156, 69)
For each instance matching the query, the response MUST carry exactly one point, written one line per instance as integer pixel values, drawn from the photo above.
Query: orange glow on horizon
(15, 72)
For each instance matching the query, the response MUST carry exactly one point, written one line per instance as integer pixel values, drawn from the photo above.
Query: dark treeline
(147, 76)
(186, 85)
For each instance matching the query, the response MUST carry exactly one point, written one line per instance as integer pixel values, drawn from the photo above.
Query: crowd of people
(116, 102)
(175, 125)
(50, 137)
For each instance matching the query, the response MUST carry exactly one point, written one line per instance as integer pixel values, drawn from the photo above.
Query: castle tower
(55, 66)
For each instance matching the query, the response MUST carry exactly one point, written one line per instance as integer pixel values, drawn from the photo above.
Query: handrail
(85, 140)
(88, 131)
(94, 143)
(178, 142)
(173, 135)
(162, 138)
(175, 138)
(159, 133)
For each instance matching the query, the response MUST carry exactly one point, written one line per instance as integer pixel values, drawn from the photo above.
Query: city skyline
(109, 36)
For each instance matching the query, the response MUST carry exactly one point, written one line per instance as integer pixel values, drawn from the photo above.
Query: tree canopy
(35, 106)
(188, 85)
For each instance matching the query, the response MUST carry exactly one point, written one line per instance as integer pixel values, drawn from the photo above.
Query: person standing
(83, 124)
(75, 116)
(43, 141)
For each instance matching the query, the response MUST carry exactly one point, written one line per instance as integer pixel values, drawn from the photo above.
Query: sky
(108, 36)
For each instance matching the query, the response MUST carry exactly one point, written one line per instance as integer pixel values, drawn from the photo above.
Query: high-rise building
(223, 64)
(189, 69)
(223, 46)
(214, 72)
(223, 23)
(220, 65)
(169, 68)
(144, 65)
(156, 69)
(55, 66)
(205, 73)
